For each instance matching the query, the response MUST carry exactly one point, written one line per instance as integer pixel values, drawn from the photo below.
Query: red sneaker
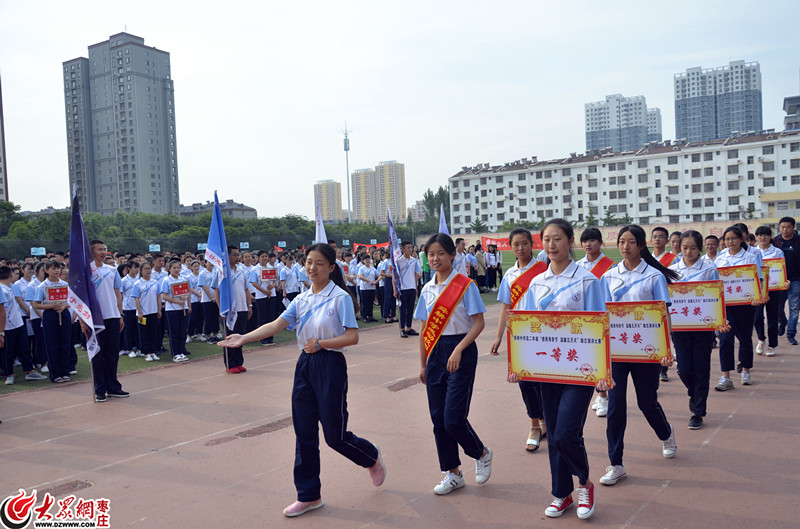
(558, 506)
(242, 369)
(234, 369)
(585, 501)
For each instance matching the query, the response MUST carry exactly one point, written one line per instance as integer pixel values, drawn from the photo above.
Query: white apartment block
(669, 182)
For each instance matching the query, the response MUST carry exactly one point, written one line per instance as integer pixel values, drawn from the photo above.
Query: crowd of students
(318, 293)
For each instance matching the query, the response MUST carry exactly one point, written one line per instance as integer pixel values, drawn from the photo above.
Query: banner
(442, 220)
(358, 245)
(394, 253)
(777, 273)
(502, 244)
(742, 284)
(561, 347)
(639, 331)
(697, 306)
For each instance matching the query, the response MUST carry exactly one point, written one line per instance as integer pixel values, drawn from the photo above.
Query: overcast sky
(263, 89)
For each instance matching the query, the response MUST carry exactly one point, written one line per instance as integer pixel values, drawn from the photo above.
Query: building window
(733, 153)
(733, 186)
(592, 168)
(696, 157)
(769, 182)
(643, 193)
(644, 207)
(672, 175)
(795, 180)
(768, 149)
(709, 202)
(708, 171)
(750, 160)
(672, 160)
(696, 203)
(769, 166)
(643, 178)
(733, 169)
(695, 173)
(708, 156)
(708, 188)
(642, 164)
(674, 204)
(733, 201)
(695, 188)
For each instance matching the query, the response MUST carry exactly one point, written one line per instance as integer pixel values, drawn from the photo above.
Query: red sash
(443, 309)
(667, 259)
(602, 266)
(522, 283)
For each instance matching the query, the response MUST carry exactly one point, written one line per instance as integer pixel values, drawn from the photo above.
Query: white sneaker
(45, 369)
(17, 363)
(483, 467)
(602, 406)
(770, 351)
(180, 358)
(35, 376)
(450, 483)
(746, 378)
(132, 354)
(668, 446)
(594, 404)
(202, 338)
(188, 339)
(760, 347)
(149, 358)
(613, 474)
(73, 372)
(123, 352)
(156, 358)
(10, 380)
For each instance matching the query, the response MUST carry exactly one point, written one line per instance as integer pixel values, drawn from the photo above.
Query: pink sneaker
(378, 471)
(301, 507)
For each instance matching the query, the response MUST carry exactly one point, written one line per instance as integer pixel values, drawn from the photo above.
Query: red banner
(357, 245)
(502, 244)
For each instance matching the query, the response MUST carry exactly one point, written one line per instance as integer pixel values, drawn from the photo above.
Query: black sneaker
(781, 330)
(691, 404)
(738, 368)
(99, 398)
(696, 422)
(412, 332)
(791, 340)
(662, 374)
(404, 334)
(119, 394)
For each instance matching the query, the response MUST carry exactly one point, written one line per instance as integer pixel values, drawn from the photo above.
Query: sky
(263, 89)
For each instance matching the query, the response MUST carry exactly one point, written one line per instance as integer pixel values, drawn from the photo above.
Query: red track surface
(190, 449)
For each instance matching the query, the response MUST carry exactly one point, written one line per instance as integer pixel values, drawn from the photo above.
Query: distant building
(328, 194)
(49, 210)
(791, 105)
(417, 211)
(373, 189)
(229, 208)
(717, 102)
(654, 125)
(120, 115)
(3, 166)
(620, 123)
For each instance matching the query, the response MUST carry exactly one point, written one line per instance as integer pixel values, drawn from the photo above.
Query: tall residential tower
(120, 111)
(621, 123)
(374, 188)
(716, 102)
(328, 194)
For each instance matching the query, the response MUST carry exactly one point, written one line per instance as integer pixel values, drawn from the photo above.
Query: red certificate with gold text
(638, 331)
(697, 305)
(178, 289)
(777, 273)
(57, 293)
(269, 274)
(561, 347)
(742, 284)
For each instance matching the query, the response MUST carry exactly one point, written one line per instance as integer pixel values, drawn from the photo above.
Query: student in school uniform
(639, 277)
(195, 324)
(368, 275)
(130, 335)
(388, 305)
(448, 360)
(596, 262)
(772, 306)
(25, 279)
(711, 244)
(460, 259)
(513, 286)
(409, 272)
(176, 308)
(241, 308)
(492, 267)
(472, 264)
(693, 348)
(39, 350)
(159, 272)
(565, 286)
(16, 334)
(675, 245)
(263, 291)
(325, 322)
(659, 237)
(56, 324)
(740, 317)
(208, 300)
(145, 294)
(289, 281)
(104, 364)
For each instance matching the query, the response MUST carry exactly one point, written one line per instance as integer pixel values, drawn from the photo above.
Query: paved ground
(194, 447)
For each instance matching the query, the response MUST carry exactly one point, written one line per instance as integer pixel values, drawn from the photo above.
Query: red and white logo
(17, 511)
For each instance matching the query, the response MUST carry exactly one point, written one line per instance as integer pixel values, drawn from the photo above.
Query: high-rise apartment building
(621, 123)
(3, 174)
(718, 102)
(120, 111)
(654, 125)
(328, 194)
(374, 188)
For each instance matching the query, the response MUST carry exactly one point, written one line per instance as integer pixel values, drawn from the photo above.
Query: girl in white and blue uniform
(740, 317)
(175, 309)
(195, 325)
(521, 242)
(208, 303)
(388, 305)
(148, 312)
(56, 323)
(289, 282)
(772, 306)
(368, 276)
(639, 277)
(693, 348)
(449, 372)
(130, 334)
(565, 286)
(325, 322)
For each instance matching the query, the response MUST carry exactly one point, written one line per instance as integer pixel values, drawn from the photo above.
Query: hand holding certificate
(639, 331)
(697, 306)
(777, 273)
(561, 347)
(742, 284)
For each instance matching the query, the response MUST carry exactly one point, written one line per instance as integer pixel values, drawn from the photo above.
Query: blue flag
(394, 251)
(82, 294)
(442, 220)
(217, 254)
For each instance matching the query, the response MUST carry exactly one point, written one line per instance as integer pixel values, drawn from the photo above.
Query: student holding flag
(325, 322)
(513, 286)
(451, 307)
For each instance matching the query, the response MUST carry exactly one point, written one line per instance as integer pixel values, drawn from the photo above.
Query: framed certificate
(269, 274)
(777, 273)
(638, 331)
(178, 289)
(697, 306)
(56, 294)
(562, 347)
(742, 284)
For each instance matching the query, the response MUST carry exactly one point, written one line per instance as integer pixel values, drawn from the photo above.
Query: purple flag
(394, 251)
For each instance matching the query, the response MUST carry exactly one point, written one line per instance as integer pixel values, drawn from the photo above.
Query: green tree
(609, 219)
(9, 214)
(20, 230)
(591, 221)
(478, 226)
(624, 221)
(751, 209)
(433, 200)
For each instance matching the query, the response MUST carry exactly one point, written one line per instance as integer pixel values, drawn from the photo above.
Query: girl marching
(176, 307)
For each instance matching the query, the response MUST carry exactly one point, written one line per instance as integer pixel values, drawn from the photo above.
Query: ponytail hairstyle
(641, 241)
(565, 227)
(329, 254)
(520, 231)
(736, 231)
(695, 236)
(445, 240)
